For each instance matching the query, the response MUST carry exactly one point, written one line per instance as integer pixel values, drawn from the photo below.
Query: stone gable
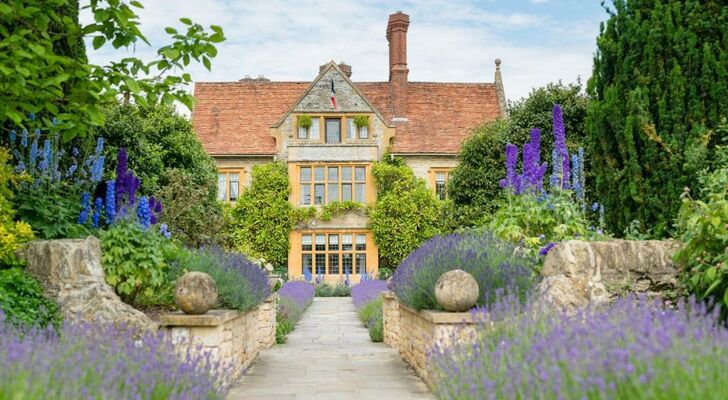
(318, 99)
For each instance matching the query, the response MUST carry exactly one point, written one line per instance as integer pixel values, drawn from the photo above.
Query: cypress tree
(660, 92)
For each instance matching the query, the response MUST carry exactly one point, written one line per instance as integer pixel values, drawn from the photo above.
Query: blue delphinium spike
(13, 136)
(85, 208)
(143, 212)
(24, 138)
(110, 202)
(98, 206)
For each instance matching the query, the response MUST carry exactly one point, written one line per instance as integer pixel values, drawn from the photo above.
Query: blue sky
(539, 41)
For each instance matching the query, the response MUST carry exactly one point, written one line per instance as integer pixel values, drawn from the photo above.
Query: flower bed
(635, 349)
(367, 298)
(495, 264)
(86, 361)
(294, 298)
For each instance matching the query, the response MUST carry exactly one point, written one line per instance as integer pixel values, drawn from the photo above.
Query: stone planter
(231, 336)
(414, 333)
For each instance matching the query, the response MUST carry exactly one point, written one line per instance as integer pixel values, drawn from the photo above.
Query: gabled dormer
(332, 121)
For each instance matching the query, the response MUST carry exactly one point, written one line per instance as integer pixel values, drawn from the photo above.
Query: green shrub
(406, 212)
(324, 290)
(342, 290)
(474, 183)
(704, 223)
(385, 273)
(372, 317)
(22, 301)
(262, 217)
(133, 260)
(12, 234)
(659, 93)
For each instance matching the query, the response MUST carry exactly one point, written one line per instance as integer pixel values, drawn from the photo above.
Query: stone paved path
(330, 356)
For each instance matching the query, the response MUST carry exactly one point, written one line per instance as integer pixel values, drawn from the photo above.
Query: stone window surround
(358, 250)
(433, 179)
(297, 184)
(228, 172)
(345, 134)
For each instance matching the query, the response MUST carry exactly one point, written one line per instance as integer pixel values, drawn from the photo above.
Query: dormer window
(308, 128)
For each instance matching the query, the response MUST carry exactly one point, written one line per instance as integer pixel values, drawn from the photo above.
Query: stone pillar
(390, 311)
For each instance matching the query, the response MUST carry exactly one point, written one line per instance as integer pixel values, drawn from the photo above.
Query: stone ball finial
(456, 291)
(497, 62)
(195, 293)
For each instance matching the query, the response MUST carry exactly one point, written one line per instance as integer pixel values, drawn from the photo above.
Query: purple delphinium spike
(121, 175)
(533, 171)
(144, 213)
(85, 208)
(512, 179)
(545, 249)
(560, 149)
(98, 206)
(110, 202)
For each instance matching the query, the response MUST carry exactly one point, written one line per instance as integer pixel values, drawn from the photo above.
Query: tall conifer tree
(660, 90)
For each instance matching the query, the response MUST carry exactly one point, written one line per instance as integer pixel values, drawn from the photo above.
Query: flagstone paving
(330, 356)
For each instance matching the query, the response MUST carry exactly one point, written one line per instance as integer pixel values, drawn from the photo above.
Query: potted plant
(362, 125)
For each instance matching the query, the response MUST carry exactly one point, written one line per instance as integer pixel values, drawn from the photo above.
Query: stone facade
(415, 333)
(70, 273)
(232, 337)
(577, 273)
(244, 164)
(422, 165)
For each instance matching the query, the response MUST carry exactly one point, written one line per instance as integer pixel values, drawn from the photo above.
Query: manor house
(329, 132)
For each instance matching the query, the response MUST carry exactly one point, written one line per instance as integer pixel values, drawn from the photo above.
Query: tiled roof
(235, 117)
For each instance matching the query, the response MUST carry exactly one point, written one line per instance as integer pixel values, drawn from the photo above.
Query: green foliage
(22, 301)
(262, 218)
(337, 208)
(12, 234)
(328, 290)
(371, 315)
(535, 222)
(474, 183)
(133, 260)
(660, 90)
(385, 273)
(406, 213)
(44, 69)
(191, 216)
(361, 121)
(159, 140)
(287, 315)
(704, 222)
(52, 212)
(304, 121)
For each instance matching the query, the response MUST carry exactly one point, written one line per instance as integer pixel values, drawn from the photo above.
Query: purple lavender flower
(98, 206)
(367, 291)
(85, 208)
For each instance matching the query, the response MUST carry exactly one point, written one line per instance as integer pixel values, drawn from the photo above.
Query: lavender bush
(93, 362)
(634, 349)
(367, 298)
(495, 264)
(367, 291)
(293, 298)
(241, 284)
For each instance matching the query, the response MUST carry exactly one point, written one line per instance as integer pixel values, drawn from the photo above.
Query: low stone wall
(233, 337)
(415, 333)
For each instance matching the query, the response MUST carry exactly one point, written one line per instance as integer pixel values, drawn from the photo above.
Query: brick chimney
(397, 38)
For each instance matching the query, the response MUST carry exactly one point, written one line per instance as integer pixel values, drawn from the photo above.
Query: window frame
(227, 172)
(357, 252)
(343, 186)
(433, 180)
(346, 135)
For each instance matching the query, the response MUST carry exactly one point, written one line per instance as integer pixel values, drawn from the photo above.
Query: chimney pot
(345, 68)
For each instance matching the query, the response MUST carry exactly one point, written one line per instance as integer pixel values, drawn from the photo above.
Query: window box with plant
(358, 127)
(308, 127)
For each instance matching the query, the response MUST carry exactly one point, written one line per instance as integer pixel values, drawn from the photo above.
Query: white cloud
(447, 41)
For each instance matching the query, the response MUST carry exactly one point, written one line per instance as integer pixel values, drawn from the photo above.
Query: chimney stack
(397, 38)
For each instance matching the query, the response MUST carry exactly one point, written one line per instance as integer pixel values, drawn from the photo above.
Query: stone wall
(234, 338)
(415, 333)
(422, 165)
(243, 163)
(576, 273)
